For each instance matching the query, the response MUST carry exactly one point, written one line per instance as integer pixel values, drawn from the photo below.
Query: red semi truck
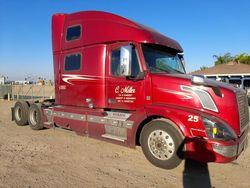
(122, 82)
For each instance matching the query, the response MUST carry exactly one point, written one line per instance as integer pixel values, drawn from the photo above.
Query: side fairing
(87, 84)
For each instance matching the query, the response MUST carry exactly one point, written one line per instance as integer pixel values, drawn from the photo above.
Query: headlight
(217, 130)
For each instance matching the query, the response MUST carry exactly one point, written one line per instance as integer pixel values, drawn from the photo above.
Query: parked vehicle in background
(243, 83)
(122, 82)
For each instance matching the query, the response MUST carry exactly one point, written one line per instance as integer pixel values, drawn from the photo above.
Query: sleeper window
(72, 62)
(73, 33)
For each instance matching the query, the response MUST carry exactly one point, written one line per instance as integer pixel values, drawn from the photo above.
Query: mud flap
(12, 114)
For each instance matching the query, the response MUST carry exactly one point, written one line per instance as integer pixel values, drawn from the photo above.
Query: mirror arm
(140, 76)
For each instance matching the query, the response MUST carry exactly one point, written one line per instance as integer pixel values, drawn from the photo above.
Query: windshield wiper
(170, 70)
(157, 68)
(178, 71)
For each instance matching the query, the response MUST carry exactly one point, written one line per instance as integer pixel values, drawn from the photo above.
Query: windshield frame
(162, 50)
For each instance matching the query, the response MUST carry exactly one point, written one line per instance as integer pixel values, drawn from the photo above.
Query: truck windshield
(162, 59)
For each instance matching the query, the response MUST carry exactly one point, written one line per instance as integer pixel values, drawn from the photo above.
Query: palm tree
(243, 58)
(223, 59)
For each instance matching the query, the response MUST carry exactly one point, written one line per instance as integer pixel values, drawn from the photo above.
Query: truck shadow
(196, 174)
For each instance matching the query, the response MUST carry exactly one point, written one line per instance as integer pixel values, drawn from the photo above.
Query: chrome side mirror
(125, 60)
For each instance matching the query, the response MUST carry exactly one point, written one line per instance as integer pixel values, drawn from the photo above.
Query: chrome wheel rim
(18, 113)
(33, 116)
(161, 144)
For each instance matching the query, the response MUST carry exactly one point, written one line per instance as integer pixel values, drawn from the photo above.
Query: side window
(115, 63)
(135, 63)
(73, 33)
(72, 62)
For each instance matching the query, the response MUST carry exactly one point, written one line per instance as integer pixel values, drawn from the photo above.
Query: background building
(2, 80)
(232, 72)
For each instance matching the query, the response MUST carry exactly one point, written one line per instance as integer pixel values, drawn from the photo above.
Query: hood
(176, 90)
(187, 79)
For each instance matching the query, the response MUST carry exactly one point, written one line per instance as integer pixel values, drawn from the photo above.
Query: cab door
(125, 92)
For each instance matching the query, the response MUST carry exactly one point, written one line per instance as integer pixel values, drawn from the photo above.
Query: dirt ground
(54, 158)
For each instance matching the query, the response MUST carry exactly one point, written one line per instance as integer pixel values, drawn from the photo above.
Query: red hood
(167, 91)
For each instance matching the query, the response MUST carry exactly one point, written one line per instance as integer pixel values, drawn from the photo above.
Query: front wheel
(161, 143)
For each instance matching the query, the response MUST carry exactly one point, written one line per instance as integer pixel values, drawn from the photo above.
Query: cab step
(118, 138)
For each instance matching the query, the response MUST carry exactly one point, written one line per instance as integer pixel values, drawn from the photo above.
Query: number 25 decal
(193, 118)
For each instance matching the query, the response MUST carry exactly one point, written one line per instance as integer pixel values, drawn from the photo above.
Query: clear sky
(203, 28)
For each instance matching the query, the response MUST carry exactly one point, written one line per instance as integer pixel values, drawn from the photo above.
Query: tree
(223, 59)
(203, 67)
(243, 58)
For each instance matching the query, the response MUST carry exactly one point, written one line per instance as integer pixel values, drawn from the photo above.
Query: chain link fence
(26, 92)
(4, 91)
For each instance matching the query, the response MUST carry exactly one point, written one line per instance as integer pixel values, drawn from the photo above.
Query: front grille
(243, 109)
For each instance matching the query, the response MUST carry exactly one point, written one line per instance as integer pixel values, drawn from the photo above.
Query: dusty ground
(53, 158)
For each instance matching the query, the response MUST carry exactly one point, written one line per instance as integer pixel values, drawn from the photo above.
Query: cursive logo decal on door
(125, 94)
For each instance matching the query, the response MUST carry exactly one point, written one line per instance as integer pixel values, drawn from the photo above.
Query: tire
(161, 143)
(21, 113)
(34, 116)
(30, 103)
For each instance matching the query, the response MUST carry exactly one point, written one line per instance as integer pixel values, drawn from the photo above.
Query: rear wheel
(161, 143)
(34, 116)
(20, 113)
